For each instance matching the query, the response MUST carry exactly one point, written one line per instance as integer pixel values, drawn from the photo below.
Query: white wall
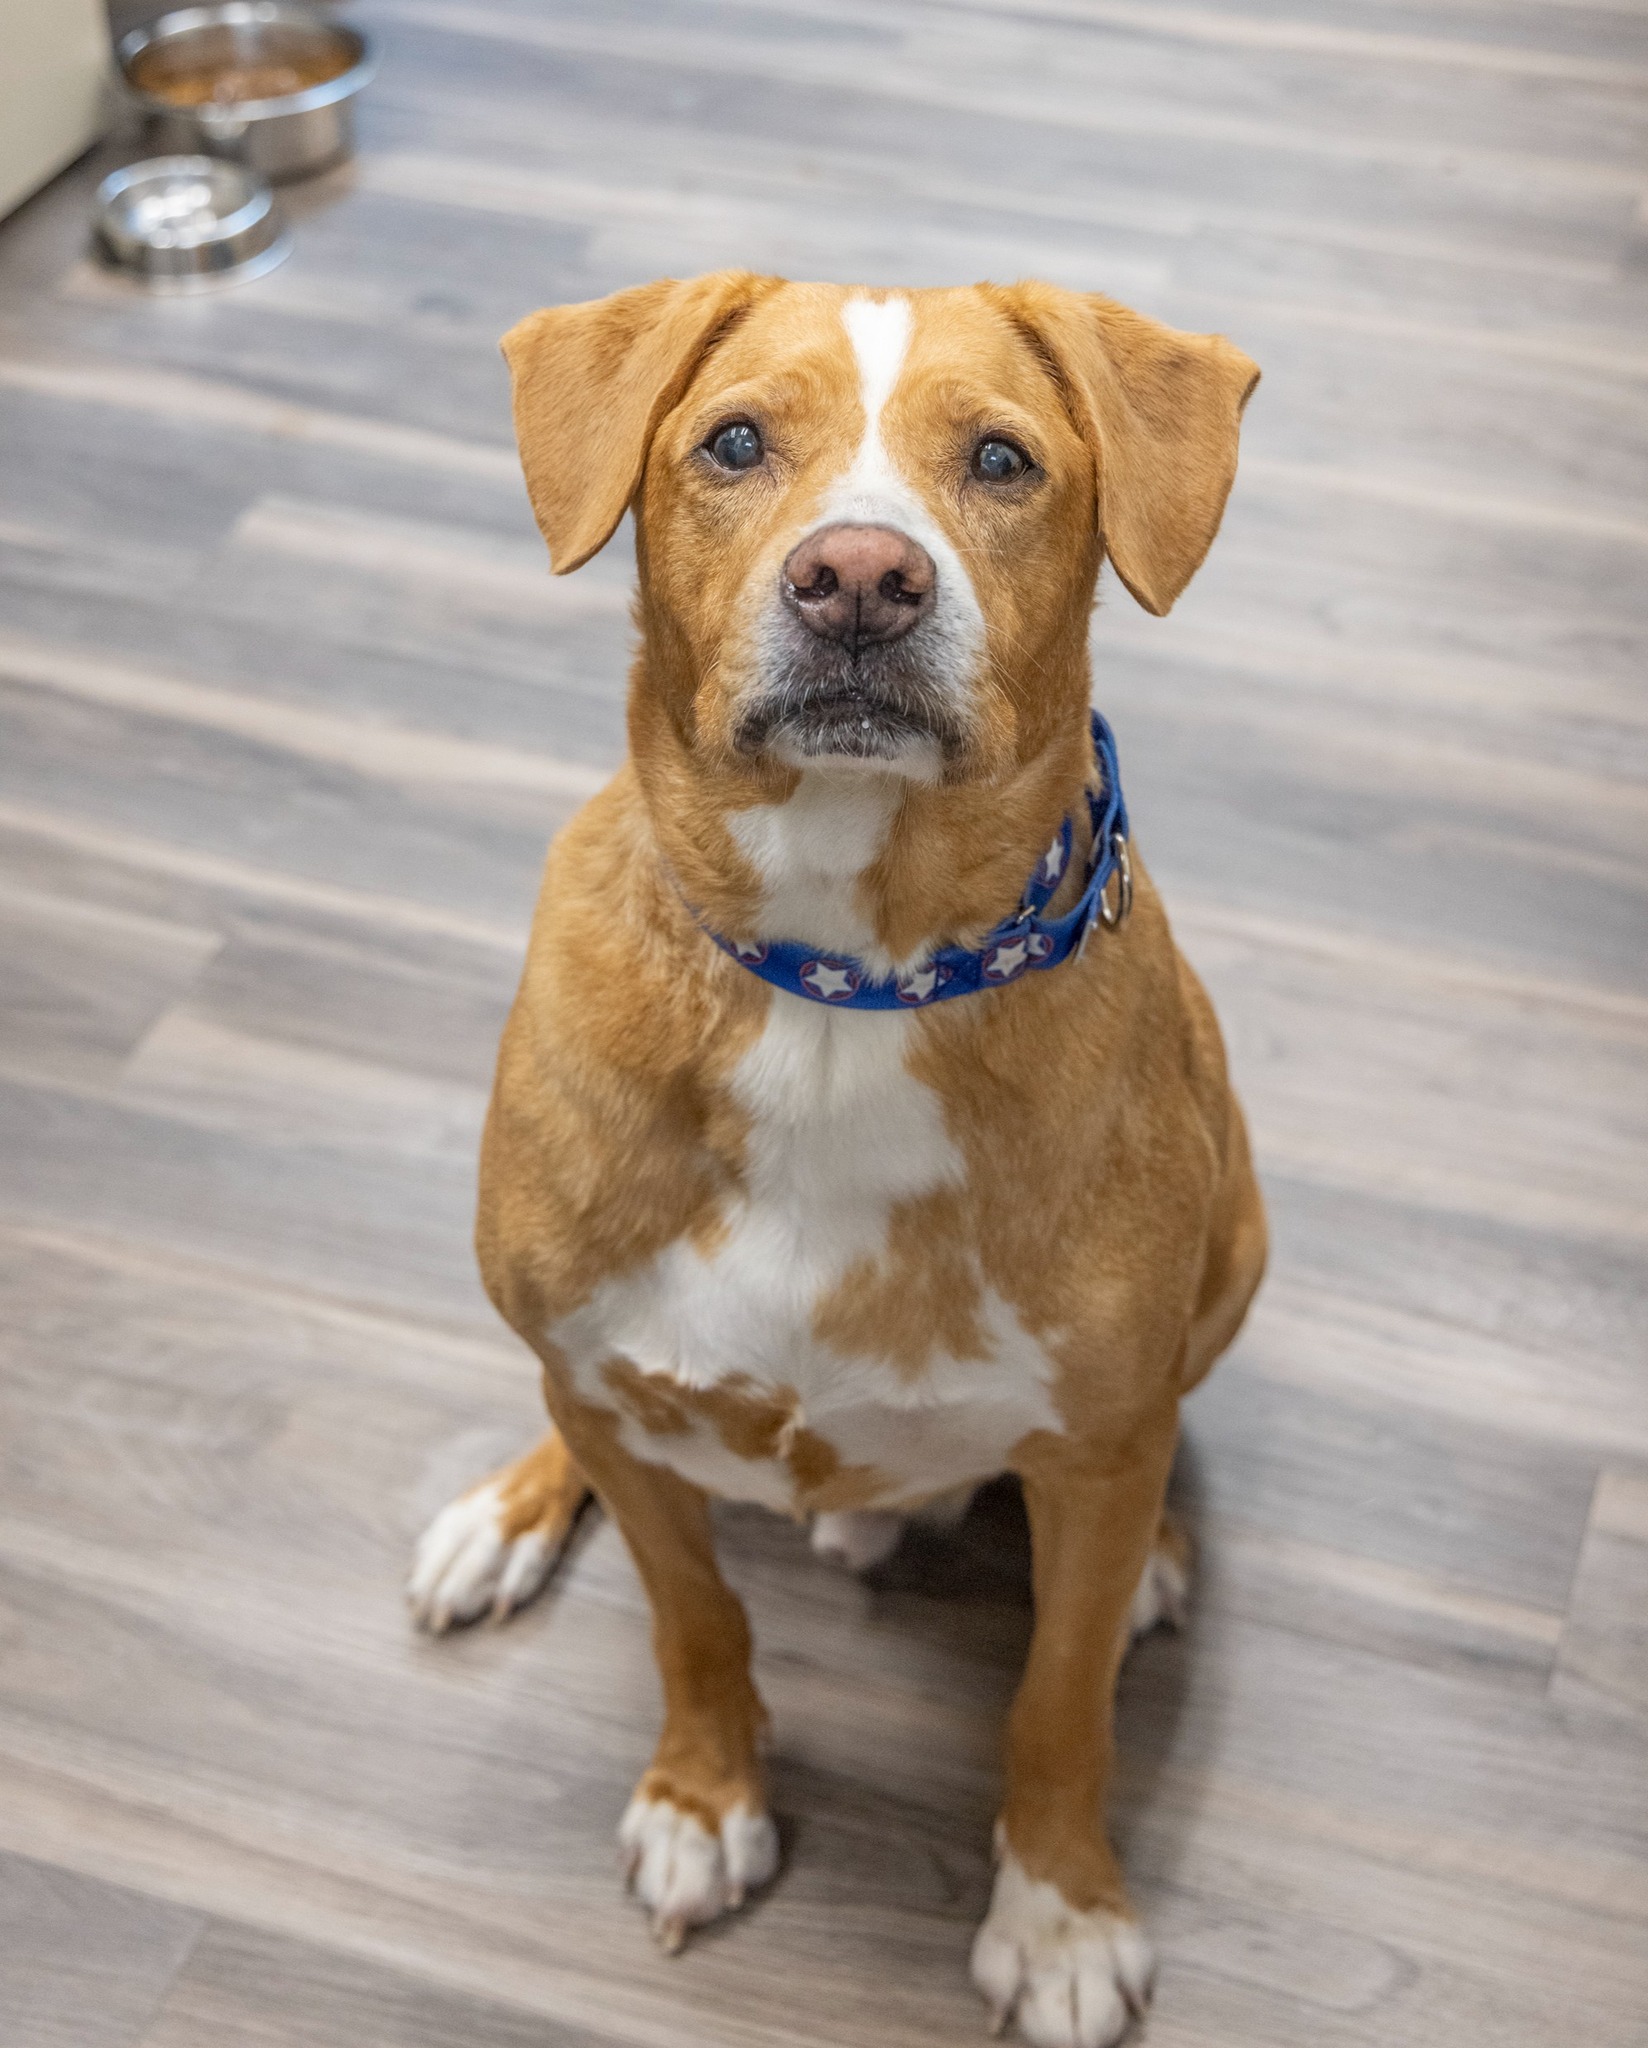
(54, 60)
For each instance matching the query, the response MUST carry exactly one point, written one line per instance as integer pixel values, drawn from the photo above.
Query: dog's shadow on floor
(983, 1557)
(962, 1596)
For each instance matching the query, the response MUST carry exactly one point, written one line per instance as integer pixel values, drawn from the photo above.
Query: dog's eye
(999, 462)
(738, 446)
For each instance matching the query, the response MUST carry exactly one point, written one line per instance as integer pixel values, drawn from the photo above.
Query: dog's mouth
(850, 723)
(877, 707)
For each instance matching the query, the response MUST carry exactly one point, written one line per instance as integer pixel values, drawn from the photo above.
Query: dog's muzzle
(847, 668)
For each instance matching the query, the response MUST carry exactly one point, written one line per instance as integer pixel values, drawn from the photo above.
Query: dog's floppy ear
(591, 384)
(1161, 411)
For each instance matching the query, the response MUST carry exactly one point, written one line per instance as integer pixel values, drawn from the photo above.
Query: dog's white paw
(1162, 1597)
(467, 1565)
(683, 1874)
(859, 1538)
(1069, 1979)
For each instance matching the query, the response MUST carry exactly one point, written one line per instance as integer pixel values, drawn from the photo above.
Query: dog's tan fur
(1108, 1194)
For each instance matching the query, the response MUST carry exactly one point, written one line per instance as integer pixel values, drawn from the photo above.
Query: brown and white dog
(839, 1261)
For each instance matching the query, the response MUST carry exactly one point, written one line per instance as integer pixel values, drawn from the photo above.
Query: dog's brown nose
(860, 585)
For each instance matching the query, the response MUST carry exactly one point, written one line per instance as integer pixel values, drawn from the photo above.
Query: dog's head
(869, 523)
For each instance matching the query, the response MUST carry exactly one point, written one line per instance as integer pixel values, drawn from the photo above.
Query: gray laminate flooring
(288, 708)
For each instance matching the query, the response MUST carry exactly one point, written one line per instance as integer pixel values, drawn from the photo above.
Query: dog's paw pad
(467, 1564)
(859, 1538)
(1067, 1978)
(685, 1875)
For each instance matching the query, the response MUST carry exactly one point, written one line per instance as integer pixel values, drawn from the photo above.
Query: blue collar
(1020, 943)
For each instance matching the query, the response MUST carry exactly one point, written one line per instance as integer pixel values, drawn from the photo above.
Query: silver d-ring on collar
(1109, 918)
(1101, 913)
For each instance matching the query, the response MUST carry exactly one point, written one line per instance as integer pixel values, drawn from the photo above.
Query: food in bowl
(182, 79)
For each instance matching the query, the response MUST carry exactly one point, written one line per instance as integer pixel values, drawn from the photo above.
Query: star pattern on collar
(919, 984)
(832, 981)
(1012, 956)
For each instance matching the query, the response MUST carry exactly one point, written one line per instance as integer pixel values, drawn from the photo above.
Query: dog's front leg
(696, 1836)
(1059, 1950)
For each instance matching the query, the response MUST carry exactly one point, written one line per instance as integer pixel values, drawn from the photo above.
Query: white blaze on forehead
(879, 330)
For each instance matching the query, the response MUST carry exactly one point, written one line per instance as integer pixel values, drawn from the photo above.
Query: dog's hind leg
(493, 1548)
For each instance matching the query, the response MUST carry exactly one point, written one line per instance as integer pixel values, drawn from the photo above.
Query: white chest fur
(840, 1133)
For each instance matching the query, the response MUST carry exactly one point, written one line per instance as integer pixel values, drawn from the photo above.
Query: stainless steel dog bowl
(182, 223)
(269, 83)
